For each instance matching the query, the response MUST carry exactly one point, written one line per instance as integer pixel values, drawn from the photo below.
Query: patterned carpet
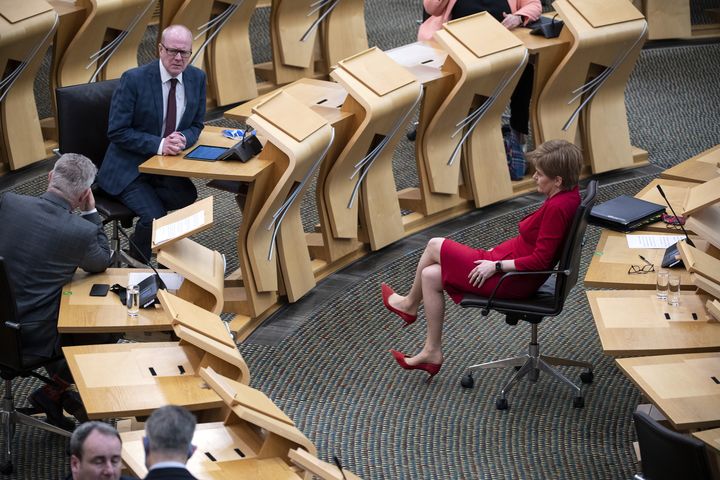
(335, 378)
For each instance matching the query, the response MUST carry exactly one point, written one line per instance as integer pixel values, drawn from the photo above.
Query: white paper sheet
(179, 228)
(652, 241)
(416, 54)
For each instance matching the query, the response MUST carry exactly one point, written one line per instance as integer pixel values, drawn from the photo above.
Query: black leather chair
(14, 365)
(82, 119)
(666, 454)
(547, 302)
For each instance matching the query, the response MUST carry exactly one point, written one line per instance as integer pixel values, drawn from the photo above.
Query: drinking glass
(133, 300)
(673, 295)
(661, 284)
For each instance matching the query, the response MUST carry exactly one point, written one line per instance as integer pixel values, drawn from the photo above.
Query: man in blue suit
(158, 109)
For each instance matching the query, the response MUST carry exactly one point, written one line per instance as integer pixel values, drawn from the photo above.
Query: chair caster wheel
(467, 381)
(412, 134)
(6, 468)
(587, 377)
(501, 403)
(578, 402)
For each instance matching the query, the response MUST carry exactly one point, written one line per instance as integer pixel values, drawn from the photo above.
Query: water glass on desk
(132, 300)
(673, 294)
(661, 284)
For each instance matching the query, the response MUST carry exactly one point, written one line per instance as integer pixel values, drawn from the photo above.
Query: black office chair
(669, 455)
(14, 365)
(82, 120)
(547, 302)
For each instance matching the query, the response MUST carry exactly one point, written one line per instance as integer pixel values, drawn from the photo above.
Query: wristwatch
(498, 266)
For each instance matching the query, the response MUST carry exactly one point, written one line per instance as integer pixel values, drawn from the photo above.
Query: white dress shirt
(180, 101)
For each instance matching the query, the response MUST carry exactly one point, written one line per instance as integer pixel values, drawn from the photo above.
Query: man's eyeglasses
(641, 269)
(174, 51)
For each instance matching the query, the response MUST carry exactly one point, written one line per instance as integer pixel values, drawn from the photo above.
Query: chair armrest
(487, 308)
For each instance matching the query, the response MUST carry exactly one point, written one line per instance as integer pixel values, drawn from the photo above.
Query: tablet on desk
(206, 153)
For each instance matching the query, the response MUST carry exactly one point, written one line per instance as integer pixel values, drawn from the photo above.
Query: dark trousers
(151, 197)
(520, 100)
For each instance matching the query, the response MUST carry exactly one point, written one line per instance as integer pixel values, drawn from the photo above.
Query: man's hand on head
(87, 201)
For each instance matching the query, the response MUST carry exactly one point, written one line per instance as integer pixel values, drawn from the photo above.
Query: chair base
(530, 365)
(11, 418)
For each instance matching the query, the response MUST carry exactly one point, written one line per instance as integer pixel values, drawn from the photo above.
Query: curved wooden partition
(223, 48)
(343, 32)
(292, 49)
(194, 14)
(486, 60)
(106, 44)
(382, 95)
(584, 100)
(25, 32)
(296, 149)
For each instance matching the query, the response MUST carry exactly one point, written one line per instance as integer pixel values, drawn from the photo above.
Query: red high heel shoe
(387, 291)
(431, 368)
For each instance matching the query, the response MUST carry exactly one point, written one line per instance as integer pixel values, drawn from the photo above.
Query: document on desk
(417, 54)
(181, 227)
(652, 241)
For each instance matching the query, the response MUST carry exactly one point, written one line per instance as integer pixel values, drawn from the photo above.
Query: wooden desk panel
(323, 97)
(683, 387)
(700, 168)
(711, 438)
(612, 259)
(109, 391)
(178, 166)
(81, 313)
(635, 322)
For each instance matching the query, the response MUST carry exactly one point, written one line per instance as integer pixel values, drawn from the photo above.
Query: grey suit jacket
(43, 244)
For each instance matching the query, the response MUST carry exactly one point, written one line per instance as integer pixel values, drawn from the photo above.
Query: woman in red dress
(458, 269)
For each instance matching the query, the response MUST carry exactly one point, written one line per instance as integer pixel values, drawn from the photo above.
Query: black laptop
(625, 214)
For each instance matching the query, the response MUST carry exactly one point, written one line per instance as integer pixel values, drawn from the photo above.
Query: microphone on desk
(672, 253)
(148, 287)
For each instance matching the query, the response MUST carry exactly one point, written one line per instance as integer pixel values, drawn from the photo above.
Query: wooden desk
(231, 446)
(323, 97)
(81, 313)
(680, 386)
(636, 322)
(711, 438)
(178, 166)
(241, 296)
(700, 168)
(676, 192)
(612, 259)
(109, 391)
(712, 441)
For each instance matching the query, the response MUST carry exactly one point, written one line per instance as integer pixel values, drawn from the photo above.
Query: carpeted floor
(335, 378)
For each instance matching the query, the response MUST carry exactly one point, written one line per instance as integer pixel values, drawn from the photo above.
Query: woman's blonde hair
(558, 158)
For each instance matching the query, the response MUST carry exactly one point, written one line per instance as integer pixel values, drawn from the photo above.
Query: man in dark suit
(168, 443)
(43, 243)
(158, 109)
(95, 449)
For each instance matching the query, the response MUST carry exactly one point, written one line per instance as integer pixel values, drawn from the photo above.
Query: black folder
(625, 214)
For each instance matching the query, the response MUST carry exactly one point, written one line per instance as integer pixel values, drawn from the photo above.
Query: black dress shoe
(72, 403)
(52, 410)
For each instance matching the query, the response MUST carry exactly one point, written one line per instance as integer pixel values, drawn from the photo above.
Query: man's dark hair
(84, 430)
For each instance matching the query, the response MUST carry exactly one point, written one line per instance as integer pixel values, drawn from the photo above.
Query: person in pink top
(512, 14)
(449, 266)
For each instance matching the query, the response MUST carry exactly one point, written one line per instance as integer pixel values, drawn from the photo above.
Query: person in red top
(459, 269)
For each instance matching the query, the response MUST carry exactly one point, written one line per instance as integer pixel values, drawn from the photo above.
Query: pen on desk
(644, 259)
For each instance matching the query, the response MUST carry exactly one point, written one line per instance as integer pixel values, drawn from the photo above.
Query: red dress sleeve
(551, 228)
